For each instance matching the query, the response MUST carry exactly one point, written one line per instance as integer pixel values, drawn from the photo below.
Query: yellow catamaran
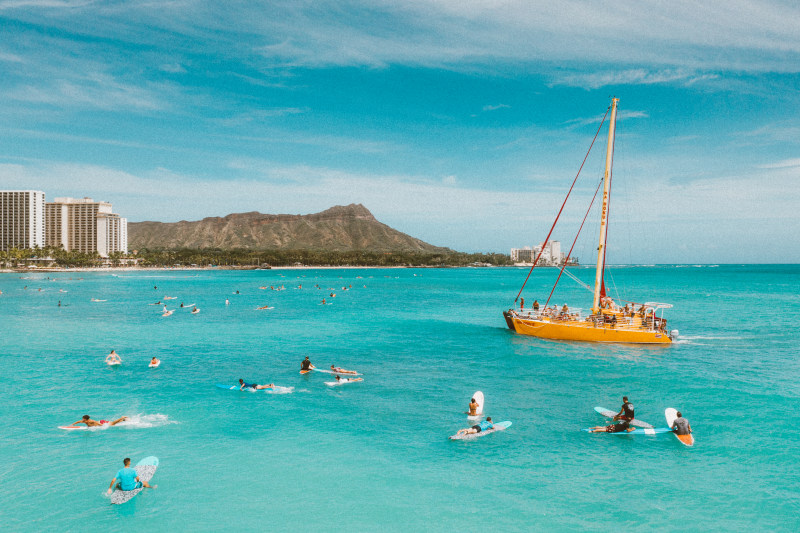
(608, 322)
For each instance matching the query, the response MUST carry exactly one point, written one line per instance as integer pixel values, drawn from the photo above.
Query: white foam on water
(145, 421)
(280, 390)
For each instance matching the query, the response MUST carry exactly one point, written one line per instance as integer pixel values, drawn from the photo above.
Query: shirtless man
(113, 358)
(619, 427)
(95, 423)
(342, 370)
(255, 386)
(347, 380)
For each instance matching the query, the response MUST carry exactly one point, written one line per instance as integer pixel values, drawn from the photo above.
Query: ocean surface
(375, 455)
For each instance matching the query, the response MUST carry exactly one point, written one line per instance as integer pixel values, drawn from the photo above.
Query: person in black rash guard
(306, 364)
(626, 413)
(619, 427)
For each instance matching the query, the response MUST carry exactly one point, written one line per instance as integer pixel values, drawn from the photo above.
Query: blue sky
(461, 123)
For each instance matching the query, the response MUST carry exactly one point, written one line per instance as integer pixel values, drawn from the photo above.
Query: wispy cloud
(495, 107)
(638, 76)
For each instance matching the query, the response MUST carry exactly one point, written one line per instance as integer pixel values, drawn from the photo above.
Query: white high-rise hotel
(82, 225)
(21, 219)
(86, 226)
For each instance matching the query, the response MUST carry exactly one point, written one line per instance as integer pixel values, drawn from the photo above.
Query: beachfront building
(21, 219)
(84, 225)
(551, 254)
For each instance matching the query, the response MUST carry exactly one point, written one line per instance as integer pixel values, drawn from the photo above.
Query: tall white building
(86, 226)
(21, 219)
(551, 254)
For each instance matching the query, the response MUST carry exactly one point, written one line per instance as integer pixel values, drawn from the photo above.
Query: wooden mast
(601, 248)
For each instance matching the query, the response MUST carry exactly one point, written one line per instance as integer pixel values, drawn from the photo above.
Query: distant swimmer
(626, 412)
(195, 310)
(165, 308)
(306, 364)
(181, 304)
(254, 386)
(347, 380)
(477, 428)
(323, 301)
(227, 302)
(681, 426)
(473, 407)
(154, 362)
(113, 358)
(127, 478)
(86, 419)
(264, 307)
(617, 427)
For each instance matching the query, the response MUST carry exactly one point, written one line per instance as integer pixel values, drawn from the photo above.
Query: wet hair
(679, 414)
(126, 461)
(241, 380)
(488, 418)
(86, 417)
(472, 400)
(624, 398)
(338, 378)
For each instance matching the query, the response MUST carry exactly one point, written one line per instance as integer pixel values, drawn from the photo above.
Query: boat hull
(584, 331)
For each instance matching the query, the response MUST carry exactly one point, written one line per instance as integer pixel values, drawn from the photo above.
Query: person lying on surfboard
(619, 427)
(97, 423)
(473, 407)
(306, 364)
(342, 370)
(127, 478)
(113, 357)
(626, 413)
(486, 425)
(346, 380)
(254, 386)
(681, 426)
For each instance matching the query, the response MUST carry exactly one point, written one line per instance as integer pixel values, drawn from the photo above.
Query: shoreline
(190, 268)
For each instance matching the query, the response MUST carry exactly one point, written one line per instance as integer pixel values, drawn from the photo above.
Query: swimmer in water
(86, 419)
(113, 357)
(254, 386)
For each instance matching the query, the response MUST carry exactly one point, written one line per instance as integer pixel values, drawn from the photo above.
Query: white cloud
(496, 107)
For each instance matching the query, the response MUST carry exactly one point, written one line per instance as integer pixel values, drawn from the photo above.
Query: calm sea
(375, 455)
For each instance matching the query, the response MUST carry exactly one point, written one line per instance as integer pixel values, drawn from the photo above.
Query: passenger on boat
(536, 305)
(521, 304)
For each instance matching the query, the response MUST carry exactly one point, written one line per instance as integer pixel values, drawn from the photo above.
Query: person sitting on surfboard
(155, 361)
(339, 379)
(254, 386)
(681, 426)
(486, 425)
(473, 407)
(127, 478)
(619, 427)
(95, 423)
(113, 358)
(306, 364)
(626, 413)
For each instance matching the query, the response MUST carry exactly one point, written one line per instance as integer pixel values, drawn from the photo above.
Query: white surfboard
(155, 365)
(114, 363)
(479, 400)
(342, 382)
(671, 414)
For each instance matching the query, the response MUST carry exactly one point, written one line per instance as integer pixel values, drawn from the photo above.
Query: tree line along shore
(50, 257)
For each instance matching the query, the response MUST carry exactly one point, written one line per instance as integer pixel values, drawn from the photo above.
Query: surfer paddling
(626, 413)
(342, 370)
(113, 358)
(86, 419)
(254, 386)
(617, 427)
(347, 380)
(127, 478)
(486, 425)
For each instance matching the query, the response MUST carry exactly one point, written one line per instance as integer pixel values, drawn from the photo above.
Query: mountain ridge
(339, 228)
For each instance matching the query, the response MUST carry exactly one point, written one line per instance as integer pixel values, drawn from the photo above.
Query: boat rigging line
(547, 239)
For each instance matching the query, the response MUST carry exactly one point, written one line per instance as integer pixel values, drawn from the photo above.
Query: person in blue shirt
(127, 478)
(477, 428)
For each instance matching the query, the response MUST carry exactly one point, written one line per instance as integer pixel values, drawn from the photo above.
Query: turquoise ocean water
(375, 454)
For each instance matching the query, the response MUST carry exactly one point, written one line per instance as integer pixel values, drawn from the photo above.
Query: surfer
(97, 423)
(113, 358)
(618, 427)
(486, 425)
(306, 364)
(626, 413)
(347, 380)
(473, 407)
(681, 426)
(127, 478)
(155, 361)
(227, 302)
(263, 307)
(342, 370)
(254, 386)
